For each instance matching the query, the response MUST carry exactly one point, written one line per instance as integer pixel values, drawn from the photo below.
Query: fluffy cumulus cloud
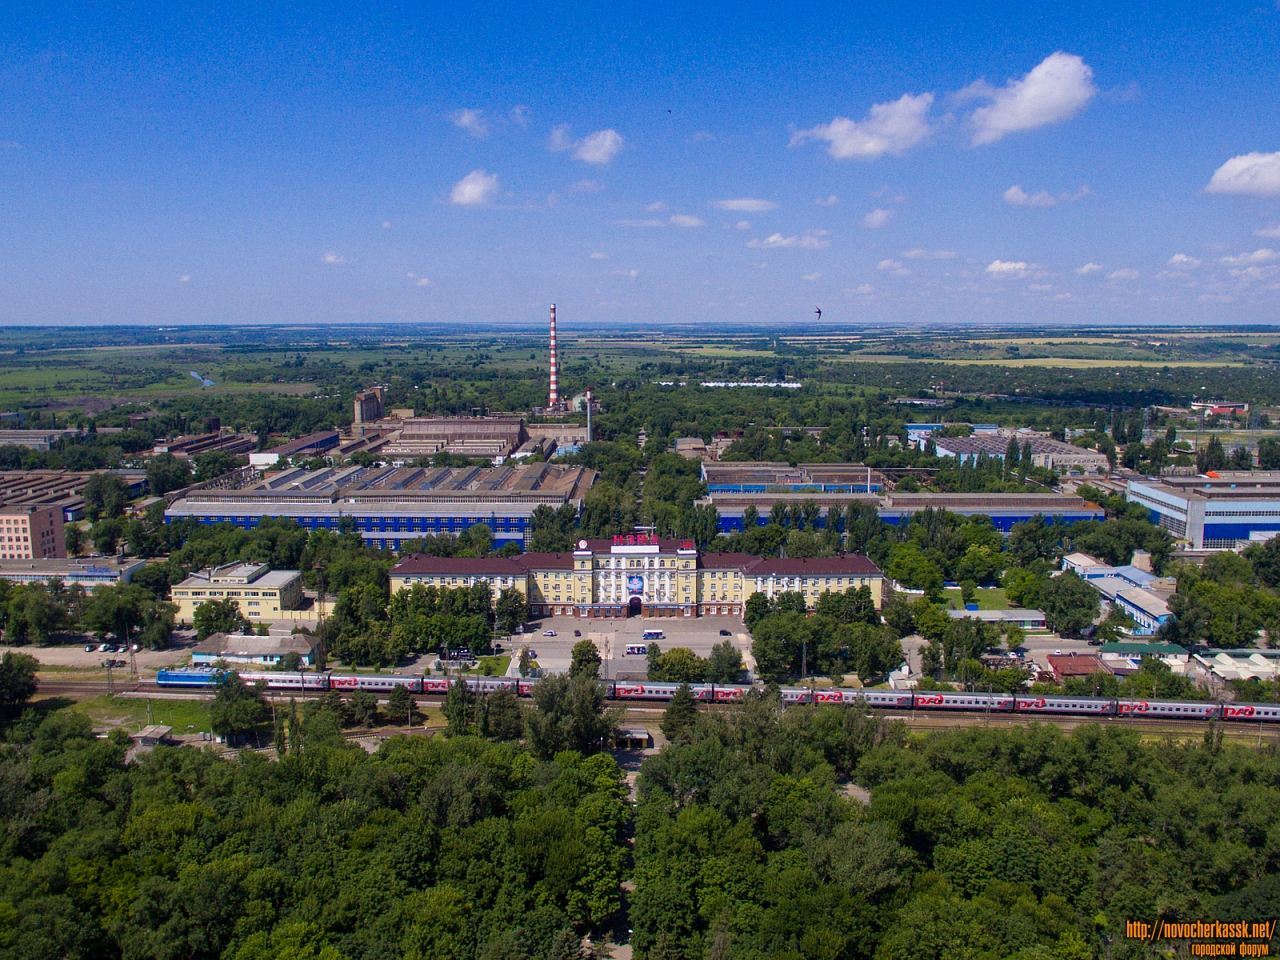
(1007, 268)
(864, 289)
(684, 220)
(1249, 175)
(475, 189)
(419, 281)
(877, 218)
(1125, 273)
(471, 121)
(1015, 196)
(894, 267)
(888, 128)
(596, 148)
(1264, 255)
(1272, 231)
(812, 240)
(333, 258)
(600, 147)
(830, 201)
(1183, 261)
(1089, 268)
(1058, 88)
(744, 205)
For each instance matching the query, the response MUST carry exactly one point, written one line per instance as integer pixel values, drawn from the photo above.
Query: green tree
(237, 708)
(105, 496)
(512, 610)
(568, 714)
(401, 705)
(503, 716)
(678, 665)
(166, 472)
(18, 682)
(1069, 603)
(681, 713)
(215, 463)
(106, 534)
(585, 658)
(364, 708)
(459, 708)
(724, 665)
(758, 607)
(218, 616)
(73, 539)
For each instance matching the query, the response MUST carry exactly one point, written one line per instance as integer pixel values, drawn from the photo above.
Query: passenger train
(953, 701)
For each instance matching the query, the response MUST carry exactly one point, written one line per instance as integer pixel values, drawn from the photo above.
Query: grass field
(128, 713)
(986, 599)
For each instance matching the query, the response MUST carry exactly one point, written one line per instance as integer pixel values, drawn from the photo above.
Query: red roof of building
(1066, 665)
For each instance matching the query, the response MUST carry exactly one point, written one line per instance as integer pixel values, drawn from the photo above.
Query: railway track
(651, 713)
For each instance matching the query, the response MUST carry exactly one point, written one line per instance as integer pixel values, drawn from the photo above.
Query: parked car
(725, 633)
(577, 633)
(104, 647)
(548, 633)
(88, 648)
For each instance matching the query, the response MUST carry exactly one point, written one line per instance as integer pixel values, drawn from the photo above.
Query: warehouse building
(244, 648)
(390, 506)
(88, 573)
(1045, 451)
(642, 576)
(312, 445)
(758, 477)
(1219, 511)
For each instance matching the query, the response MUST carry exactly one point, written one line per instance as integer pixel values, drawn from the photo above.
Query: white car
(548, 633)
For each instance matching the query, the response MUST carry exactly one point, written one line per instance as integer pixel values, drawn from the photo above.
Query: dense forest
(758, 832)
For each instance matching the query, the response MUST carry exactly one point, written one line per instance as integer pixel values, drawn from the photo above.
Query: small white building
(267, 651)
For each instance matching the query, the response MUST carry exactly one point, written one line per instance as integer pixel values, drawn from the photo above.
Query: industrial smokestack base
(555, 365)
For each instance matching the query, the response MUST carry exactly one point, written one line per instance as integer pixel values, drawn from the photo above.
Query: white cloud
(920, 253)
(656, 207)
(744, 205)
(830, 201)
(702, 136)
(1125, 273)
(560, 139)
(334, 258)
(586, 186)
(1040, 287)
(599, 147)
(1182, 260)
(743, 225)
(1258, 256)
(386, 224)
(1058, 88)
(888, 128)
(1268, 231)
(877, 218)
(1006, 268)
(1017, 197)
(419, 281)
(1089, 268)
(812, 240)
(185, 278)
(639, 223)
(1251, 174)
(684, 220)
(894, 267)
(599, 256)
(520, 115)
(864, 288)
(1062, 296)
(627, 273)
(811, 276)
(475, 189)
(471, 121)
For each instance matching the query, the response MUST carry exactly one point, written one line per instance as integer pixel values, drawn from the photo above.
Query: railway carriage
(943, 700)
(1088, 706)
(1170, 709)
(1269, 712)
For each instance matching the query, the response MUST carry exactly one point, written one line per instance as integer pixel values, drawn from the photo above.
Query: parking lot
(613, 637)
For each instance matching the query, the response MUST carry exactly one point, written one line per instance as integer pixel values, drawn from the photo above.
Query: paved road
(613, 636)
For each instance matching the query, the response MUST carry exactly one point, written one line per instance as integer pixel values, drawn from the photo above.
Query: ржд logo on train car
(936, 700)
(1038, 703)
(1245, 711)
(1140, 706)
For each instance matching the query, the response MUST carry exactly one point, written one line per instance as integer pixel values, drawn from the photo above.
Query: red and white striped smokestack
(555, 363)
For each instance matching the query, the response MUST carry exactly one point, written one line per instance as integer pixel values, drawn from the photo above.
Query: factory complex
(390, 506)
(642, 575)
(1220, 510)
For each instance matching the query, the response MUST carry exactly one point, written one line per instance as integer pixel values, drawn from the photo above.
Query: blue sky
(637, 164)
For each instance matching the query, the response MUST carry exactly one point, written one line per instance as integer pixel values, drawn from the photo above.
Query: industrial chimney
(555, 364)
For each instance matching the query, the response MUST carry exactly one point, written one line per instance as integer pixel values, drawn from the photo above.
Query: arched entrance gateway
(633, 607)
